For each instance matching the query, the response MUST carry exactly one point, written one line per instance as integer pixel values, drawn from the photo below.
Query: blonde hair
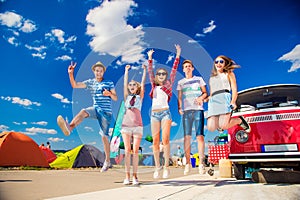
(139, 87)
(230, 65)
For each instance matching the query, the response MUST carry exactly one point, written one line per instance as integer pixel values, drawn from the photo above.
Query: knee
(166, 142)
(211, 128)
(200, 138)
(83, 113)
(135, 152)
(127, 153)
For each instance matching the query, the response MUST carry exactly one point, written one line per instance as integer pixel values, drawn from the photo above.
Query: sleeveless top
(132, 116)
(219, 82)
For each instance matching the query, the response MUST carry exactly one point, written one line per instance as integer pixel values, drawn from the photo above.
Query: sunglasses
(132, 84)
(219, 61)
(161, 73)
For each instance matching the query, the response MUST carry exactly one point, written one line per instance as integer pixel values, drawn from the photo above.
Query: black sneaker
(245, 124)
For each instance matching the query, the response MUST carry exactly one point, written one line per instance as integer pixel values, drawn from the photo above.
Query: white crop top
(160, 99)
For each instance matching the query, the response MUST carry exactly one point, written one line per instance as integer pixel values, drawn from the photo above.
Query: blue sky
(40, 39)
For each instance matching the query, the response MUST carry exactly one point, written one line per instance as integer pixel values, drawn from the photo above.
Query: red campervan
(273, 112)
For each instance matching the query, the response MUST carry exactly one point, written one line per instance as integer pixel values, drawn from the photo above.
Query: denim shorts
(161, 115)
(104, 119)
(195, 117)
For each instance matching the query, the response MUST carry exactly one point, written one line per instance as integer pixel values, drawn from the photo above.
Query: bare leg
(135, 158)
(166, 127)
(106, 148)
(227, 122)
(213, 123)
(155, 127)
(201, 145)
(127, 144)
(187, 148)
(78, 119)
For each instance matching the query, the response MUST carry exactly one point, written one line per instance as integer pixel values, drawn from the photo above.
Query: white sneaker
(126, 182)
(63, 125)
(156, 172)
(105, 166)
(135, 181)
(202, 169)
(166, 172)
(187, 169)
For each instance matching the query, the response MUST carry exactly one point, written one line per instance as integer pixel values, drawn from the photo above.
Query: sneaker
(105, 166)
(202, 169)
(126, 182)
(135, 181)
(166, 172)
(156, 172)
(245, 124)
(187, 169)
(63, 125)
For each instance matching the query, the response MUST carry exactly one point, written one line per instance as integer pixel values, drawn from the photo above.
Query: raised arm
(127, 67)
(143, 81)
(74, 84)
(150, 66)
(175, 65)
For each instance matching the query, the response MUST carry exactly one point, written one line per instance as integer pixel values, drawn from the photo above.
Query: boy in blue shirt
(103, 92)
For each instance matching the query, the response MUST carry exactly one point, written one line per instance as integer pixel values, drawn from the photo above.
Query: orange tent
(17, 149)
(50, 155)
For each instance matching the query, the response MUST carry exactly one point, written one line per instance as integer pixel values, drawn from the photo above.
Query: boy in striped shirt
(103, 92)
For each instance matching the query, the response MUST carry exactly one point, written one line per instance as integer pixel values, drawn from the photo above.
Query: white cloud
(55, 139)
(14, 20)
(64, 58)
(59, 41)
(103, 26)
(39, 55)
(61, 98)
(3, 128)
(23, 102)
(199, 35)
(40, 51)
(293, 57)
(192, 41)
(41, 130)
(42, 123)
(11, 19)
(59, 34)
(13, 41)
(28, 26)
(71, 39)
(211, 27)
